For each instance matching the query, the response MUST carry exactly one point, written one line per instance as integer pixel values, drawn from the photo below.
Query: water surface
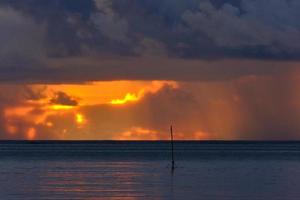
(131, 170)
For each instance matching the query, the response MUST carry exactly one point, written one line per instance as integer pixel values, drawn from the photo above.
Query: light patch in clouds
(128, 98)
(80, 118)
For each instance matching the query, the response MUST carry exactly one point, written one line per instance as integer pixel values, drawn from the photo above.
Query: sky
(128, 69)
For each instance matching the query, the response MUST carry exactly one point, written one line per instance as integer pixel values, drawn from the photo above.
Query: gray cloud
(62, 98)
(86, 69)
(86, 40)
(21, 40)
(265, 25)
(111, 26)
(194, 28)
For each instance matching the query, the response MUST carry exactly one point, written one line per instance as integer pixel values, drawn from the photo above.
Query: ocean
(131, 170)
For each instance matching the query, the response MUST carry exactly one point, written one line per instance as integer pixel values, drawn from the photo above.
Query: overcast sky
(218, 69)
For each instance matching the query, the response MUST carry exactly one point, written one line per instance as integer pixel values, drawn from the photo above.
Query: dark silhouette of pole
(172, 145)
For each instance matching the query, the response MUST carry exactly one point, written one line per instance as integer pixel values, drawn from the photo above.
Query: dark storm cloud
(62, 98)
(192, 28)
(63, 21)
(38, 36)
(215, 29)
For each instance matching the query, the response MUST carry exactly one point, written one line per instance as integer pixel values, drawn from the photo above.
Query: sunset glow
(79, 118)
(128, 98)
(31, 134)
(139, 110)
(107, 92)
(149, 99)
(61, 107)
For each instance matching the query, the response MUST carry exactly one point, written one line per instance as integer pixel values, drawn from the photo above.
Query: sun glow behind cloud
(79, 118)
(128, 98)
(61, 107)
(133, 97)
(144, 110)
(58, 110)
(93, 93)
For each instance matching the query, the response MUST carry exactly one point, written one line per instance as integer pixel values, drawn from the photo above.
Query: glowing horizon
(61, 108)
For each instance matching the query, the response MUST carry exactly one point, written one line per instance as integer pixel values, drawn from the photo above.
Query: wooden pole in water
(172, 145)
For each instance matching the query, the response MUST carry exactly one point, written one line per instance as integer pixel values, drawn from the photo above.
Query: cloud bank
(55, 41)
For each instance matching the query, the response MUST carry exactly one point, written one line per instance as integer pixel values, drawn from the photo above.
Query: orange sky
(246, 108)
(106, 92)
(114, 93)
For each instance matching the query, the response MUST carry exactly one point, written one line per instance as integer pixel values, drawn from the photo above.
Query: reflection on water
(149, 179)
(82, 180)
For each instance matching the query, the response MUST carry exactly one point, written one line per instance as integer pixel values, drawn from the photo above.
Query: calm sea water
(141, 170)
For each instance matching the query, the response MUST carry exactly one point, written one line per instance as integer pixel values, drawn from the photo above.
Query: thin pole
(172, 145)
